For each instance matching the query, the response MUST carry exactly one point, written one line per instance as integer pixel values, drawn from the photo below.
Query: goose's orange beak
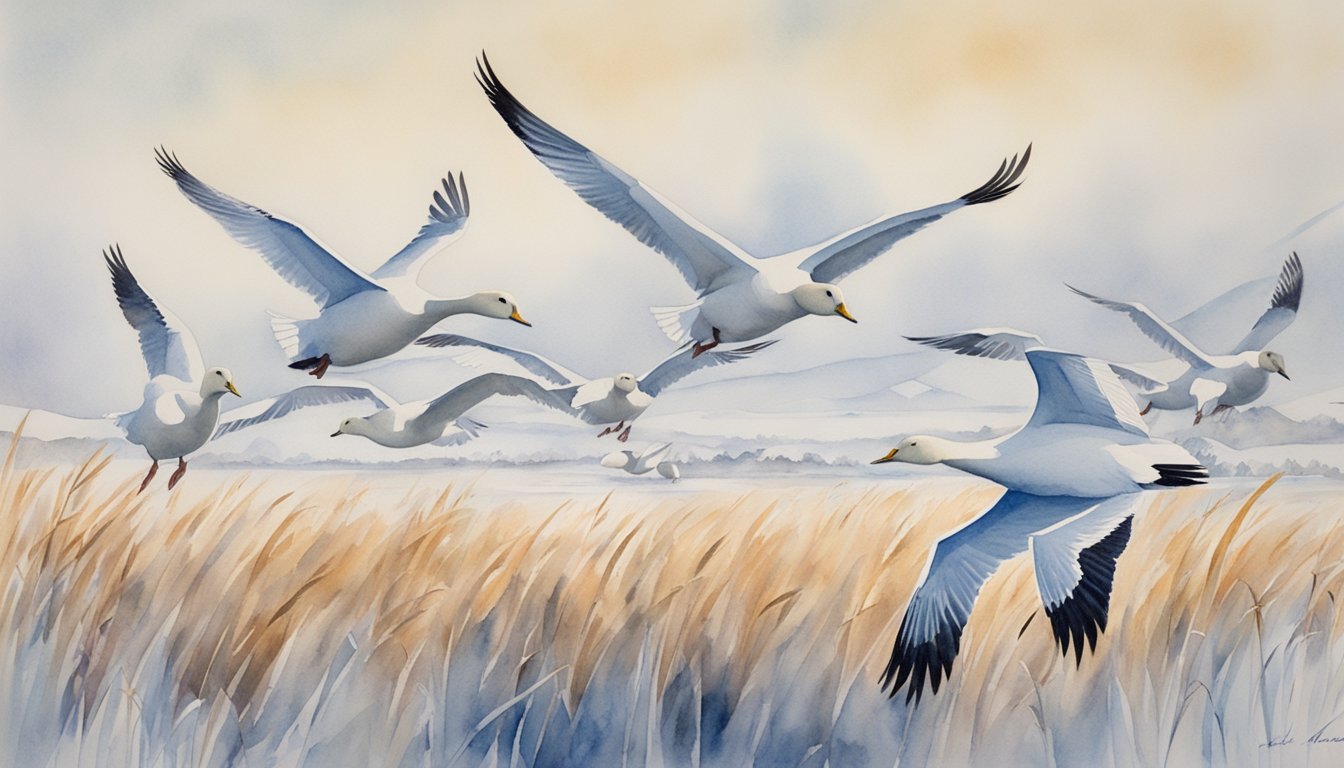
(889, 457)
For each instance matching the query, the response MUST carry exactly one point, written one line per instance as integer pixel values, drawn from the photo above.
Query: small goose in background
(403, 425)
(613, 400)
(181, 400)
(741, 297)
(653, 457)
(1215, 383)
(361, 317)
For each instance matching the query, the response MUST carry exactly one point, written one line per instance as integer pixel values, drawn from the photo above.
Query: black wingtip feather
(1288, 291)
(930, 660)
(1180, 475)
(1002, 183)
(1082, 615)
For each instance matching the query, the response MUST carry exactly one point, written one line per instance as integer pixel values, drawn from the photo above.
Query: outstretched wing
(844, 253)
(465, 396)
(165, 342)
(447, 218)
(701, 255)
(293, 253)
(994, 343)
(1012, 344)
(1154, 328)
(1075, 568)
(532, 363)
(466, 431)
(930, 634)
(681, 364)
(1072, 389)
(1282, 307)
(311, 395)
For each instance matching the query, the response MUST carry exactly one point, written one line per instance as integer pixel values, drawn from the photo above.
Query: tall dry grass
(252, 626)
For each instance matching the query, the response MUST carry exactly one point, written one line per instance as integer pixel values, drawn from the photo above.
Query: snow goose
(1215, 383)
(653, 457)
(741, 297)
(361, 317)
(612, 400)
(1085, 438)
(1074, 544)
(181, 401)
(402, 425)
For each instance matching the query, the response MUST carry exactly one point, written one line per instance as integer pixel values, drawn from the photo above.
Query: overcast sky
(1172, 146)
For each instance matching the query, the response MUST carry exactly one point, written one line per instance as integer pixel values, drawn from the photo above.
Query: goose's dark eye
(502, 300)
(912, 445)
(828, 293)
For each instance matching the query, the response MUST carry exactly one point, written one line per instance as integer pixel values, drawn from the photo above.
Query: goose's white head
(1272, 362)
(496, 304)
(355, 425)
(918, 449)
(625, 382)
(217, 381)
(822, 299)
(618, 459)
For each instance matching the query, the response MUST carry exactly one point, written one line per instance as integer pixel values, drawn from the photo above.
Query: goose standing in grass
(403, 425)
(741, 297)
(613, 400)
(361, 317)
(181, 400)
(1215, 383)
(1084, 445)
(653, 458)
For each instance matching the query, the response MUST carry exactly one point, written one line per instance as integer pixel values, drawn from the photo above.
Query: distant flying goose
(741, 297)
(396, 425)
(361, 317)
(1074, 544)
(611, 400)
(653, 457)
(181, 401)
(1214, 383)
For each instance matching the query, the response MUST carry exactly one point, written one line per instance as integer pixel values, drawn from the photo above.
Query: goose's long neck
(438, 309)
(972, 457)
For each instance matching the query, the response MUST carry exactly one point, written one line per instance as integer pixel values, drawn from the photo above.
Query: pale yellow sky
(1172, 143)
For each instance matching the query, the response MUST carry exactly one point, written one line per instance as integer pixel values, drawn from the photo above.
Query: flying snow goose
(741, 297)
(1074, 543)
(403, 425)
(615, 399)
(1084, 438)
(653, 457)
(361, 317)
(1215, 383)
(181, 401)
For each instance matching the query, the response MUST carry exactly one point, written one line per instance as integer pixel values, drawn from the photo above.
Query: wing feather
(1072, 389)
(1154, 328)
(447, 219)
(1282, 307)
(681, 364)
(305, 397)
(165, 342)
(293, 253)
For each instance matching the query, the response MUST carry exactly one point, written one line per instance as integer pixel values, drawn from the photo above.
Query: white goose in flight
(1215, 383)
(610, 400)
(741, 297)
(653, 458)
(402, 425)
(361, 317)
(181, 400)
(1084, 445)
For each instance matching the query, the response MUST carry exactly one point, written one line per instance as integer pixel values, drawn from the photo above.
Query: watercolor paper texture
(506, 592)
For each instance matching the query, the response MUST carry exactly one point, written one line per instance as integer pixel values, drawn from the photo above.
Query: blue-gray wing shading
(844, 253)
(467, 430)
(447, 218)
(1154, 328)
(700, 254)
(165, 342)
(458, 400)
(680, 364)
(532, 363)
(1282, 307)
(1072, 389)
(294, 254)
(929, 637)
(993, 343)
(305, 397)
(1075, 569)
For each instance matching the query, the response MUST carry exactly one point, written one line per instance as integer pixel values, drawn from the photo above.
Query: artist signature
(1319, 737)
